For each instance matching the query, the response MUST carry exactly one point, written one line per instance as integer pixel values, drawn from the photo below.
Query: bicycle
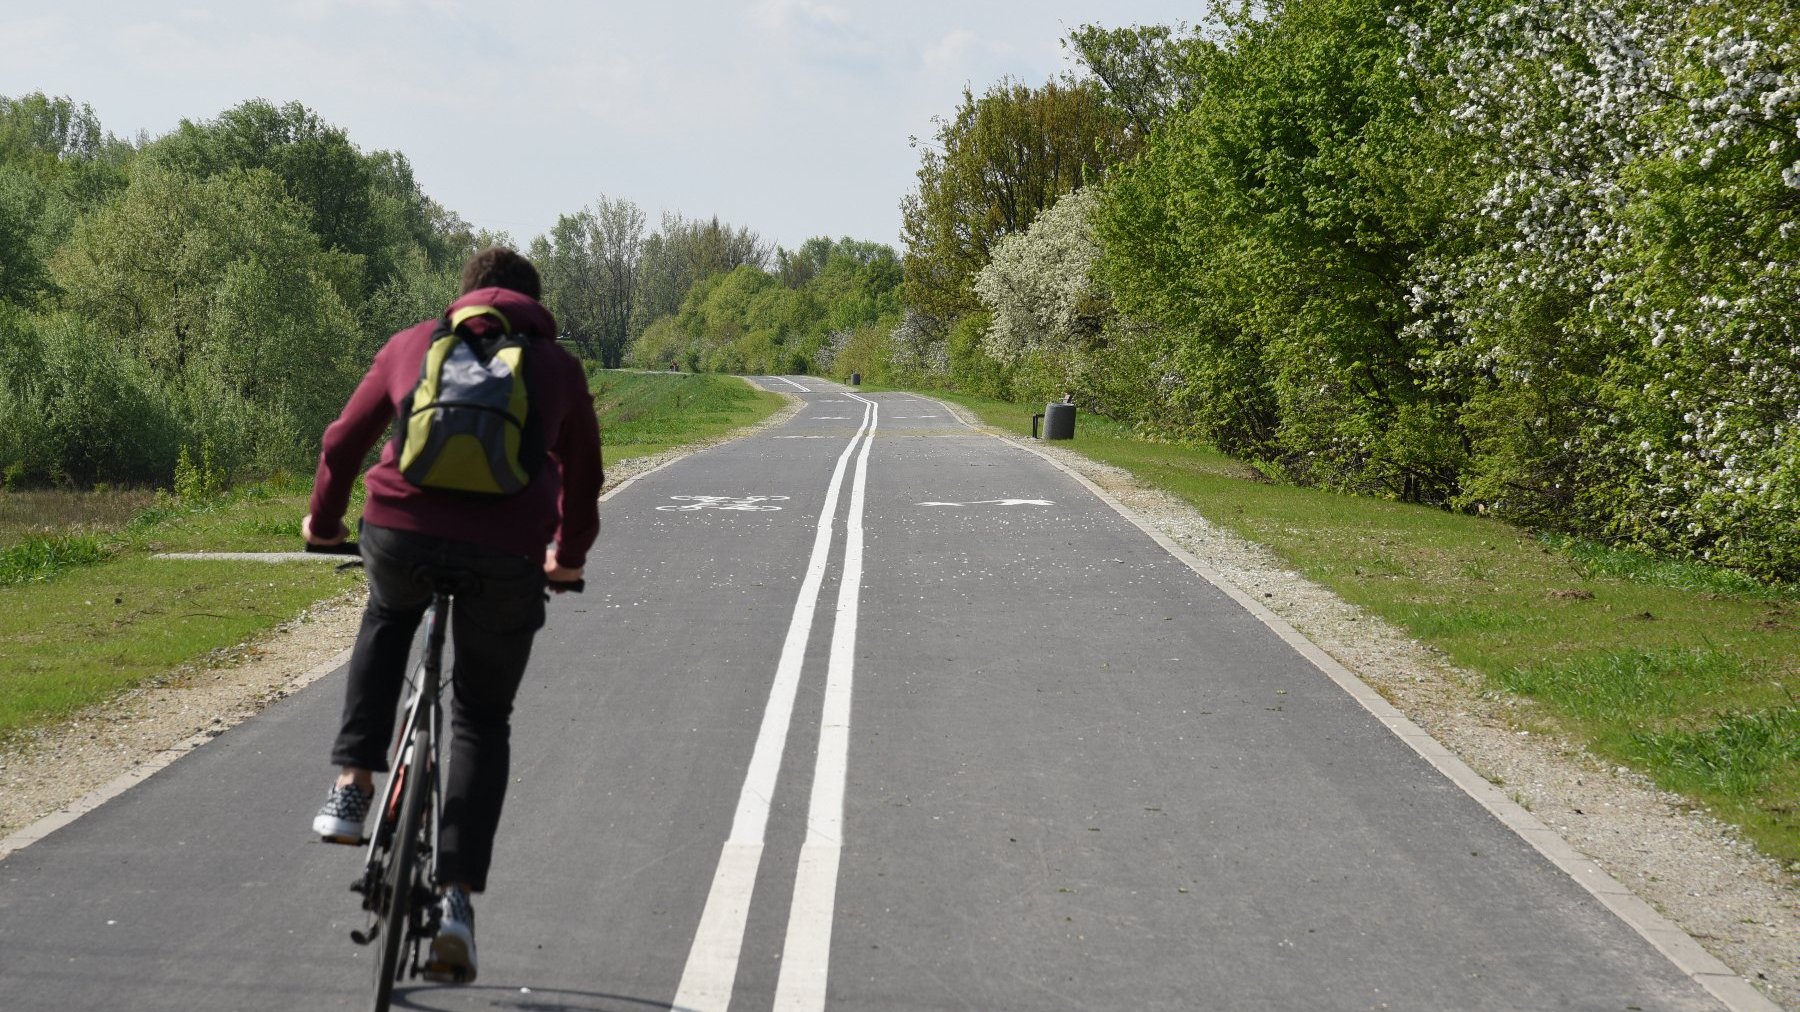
(397, 880)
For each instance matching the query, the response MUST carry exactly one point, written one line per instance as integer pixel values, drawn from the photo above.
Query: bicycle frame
(424, 710)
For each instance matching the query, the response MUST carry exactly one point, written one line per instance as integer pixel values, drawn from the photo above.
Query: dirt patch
(1697, 871)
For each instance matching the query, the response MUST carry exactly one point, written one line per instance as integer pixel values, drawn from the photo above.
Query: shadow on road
(521, 999)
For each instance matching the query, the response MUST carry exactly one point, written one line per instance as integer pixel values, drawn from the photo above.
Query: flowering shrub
(1614, 307)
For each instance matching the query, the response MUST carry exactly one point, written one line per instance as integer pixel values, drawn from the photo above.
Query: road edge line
(1680, 948)
(24, 837)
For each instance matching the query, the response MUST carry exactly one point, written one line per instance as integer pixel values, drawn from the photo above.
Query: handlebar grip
(341, 548)
(568, 586)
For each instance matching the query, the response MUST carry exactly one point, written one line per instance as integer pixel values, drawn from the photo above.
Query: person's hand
(306, 532)
(557, 572)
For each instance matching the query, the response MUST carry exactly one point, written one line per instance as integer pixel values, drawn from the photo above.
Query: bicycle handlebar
(352, 548)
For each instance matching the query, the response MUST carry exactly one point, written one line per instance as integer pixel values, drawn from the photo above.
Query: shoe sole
(332, 830)
(451, 961)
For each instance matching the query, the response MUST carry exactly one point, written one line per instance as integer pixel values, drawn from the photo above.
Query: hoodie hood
(526, 314)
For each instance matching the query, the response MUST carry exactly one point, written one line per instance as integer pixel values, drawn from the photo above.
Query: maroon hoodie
(562, 502)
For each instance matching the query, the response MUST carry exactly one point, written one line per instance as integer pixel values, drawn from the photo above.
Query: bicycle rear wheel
(399, 886)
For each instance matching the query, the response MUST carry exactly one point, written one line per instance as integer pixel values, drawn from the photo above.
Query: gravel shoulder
(1697, 871)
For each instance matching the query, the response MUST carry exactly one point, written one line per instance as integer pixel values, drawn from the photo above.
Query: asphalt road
(907, 721)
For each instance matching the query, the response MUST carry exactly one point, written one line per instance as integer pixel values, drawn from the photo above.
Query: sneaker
(453, 947)
(340, 820)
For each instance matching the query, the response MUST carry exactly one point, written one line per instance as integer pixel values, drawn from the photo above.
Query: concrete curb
(1692, 959)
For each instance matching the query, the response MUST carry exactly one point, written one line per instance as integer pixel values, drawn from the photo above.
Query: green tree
(683, 252)
(988, 172)
(222, 290)
(55, 165)
(1149, 72)
(590, 263)
(1272, 227)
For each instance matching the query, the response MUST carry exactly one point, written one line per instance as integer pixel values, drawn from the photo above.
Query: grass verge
(642, 413)
(85, 613)
(1688, 673)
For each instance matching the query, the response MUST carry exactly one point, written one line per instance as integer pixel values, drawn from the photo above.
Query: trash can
(1059, 421)
(856, 379)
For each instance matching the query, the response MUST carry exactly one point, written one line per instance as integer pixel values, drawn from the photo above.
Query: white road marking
(711, 969)
(789, 382)
(806, 956)
(748, 503)
(994, 502)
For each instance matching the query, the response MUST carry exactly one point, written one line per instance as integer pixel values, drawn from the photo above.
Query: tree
(590, 263)
(1271, 228)
(55, 165)
(221, 289)
(683, 252)
(1002, 158)
(1149, 72)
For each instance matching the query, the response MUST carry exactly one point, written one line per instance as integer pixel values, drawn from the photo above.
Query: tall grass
(43, 558)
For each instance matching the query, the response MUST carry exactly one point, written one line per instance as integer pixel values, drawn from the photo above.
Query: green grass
(1686, 672)
(98, 631)
(85, 613)
(642, 413)
(39, 558)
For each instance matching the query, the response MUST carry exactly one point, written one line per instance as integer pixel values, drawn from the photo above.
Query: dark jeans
(490, 634)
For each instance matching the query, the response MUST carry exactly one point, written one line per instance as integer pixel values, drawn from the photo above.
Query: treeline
(1531, 260)
(707, 296)
(212, 294)
(202, 303)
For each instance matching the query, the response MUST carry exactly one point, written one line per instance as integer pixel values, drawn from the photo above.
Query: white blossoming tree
(1616, 307)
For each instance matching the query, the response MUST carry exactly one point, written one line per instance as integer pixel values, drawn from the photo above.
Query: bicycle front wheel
(399, 886)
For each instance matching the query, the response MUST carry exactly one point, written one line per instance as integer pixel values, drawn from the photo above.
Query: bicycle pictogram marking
(745, 503)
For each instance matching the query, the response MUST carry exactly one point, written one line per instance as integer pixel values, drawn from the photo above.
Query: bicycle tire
(403, 855)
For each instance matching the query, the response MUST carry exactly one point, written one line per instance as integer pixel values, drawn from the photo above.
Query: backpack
(468, 425)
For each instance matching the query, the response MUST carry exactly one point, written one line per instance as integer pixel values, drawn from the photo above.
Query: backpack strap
(467, 313)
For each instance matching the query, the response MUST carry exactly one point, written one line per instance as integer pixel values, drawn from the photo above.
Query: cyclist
(501, 539)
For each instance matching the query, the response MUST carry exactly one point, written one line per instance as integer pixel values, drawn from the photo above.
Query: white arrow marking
(994, 502)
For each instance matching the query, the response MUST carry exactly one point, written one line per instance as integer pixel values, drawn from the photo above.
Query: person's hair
(499, 267)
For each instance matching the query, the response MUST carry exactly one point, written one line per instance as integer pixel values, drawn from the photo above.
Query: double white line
(712, 962)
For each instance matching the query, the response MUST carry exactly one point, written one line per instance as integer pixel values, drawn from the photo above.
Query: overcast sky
(790, 116)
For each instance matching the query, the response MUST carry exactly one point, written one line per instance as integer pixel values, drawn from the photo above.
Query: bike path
(1078, 777)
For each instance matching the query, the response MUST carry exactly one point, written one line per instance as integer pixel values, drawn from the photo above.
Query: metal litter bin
(1059, 421)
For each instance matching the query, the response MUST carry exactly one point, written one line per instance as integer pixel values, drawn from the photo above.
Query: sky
(793, 117)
